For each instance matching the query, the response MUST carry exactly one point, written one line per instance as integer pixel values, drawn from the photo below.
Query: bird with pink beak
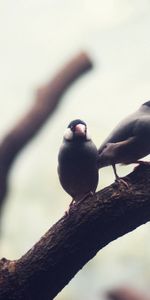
(78, 161)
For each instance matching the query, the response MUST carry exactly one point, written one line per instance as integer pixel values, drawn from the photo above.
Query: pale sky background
(36, 38)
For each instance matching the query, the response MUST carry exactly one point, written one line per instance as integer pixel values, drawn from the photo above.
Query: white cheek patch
(88, 136)
(68, 135)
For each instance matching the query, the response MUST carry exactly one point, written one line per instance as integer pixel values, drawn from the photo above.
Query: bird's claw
(67, 212)
(122, 181)
(71, 203)
(90, 194)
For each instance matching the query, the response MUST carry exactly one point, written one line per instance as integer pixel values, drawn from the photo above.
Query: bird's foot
(89, 194)
(67, 212)
(86, 196)
(118, 179)
(124, 183)
(71, 203)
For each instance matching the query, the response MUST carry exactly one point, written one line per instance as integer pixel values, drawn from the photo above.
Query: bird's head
(76, 130)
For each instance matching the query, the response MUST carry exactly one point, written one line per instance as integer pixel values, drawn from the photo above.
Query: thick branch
(47, 100)
(91, 224)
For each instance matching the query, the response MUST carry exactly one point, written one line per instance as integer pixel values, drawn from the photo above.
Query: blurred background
(36, 39)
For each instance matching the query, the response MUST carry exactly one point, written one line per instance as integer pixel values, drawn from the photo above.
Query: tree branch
(75, 239)
(47, 100)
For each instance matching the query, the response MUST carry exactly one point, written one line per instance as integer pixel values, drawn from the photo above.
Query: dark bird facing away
(78, 161)
(129, 141)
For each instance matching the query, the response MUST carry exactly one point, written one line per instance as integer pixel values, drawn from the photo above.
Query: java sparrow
(78, 161)
(129, 141)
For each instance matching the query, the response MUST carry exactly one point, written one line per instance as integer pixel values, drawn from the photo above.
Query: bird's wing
(123, 131)
(119, 152)
(142, 128)
(127, 143)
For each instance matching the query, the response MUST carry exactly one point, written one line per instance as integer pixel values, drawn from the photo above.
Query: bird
(78, 161)
(128, 142)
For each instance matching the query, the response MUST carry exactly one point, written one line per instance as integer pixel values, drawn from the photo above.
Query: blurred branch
(47, 99)
(126, 293)
(75, 239)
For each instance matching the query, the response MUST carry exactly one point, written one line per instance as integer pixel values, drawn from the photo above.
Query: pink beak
(80, 129)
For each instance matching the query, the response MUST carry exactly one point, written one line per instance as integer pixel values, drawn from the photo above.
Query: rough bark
(47, 99)
(75, 239)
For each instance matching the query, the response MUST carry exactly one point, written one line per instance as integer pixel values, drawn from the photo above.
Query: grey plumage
(129, 141)
(78, 161)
